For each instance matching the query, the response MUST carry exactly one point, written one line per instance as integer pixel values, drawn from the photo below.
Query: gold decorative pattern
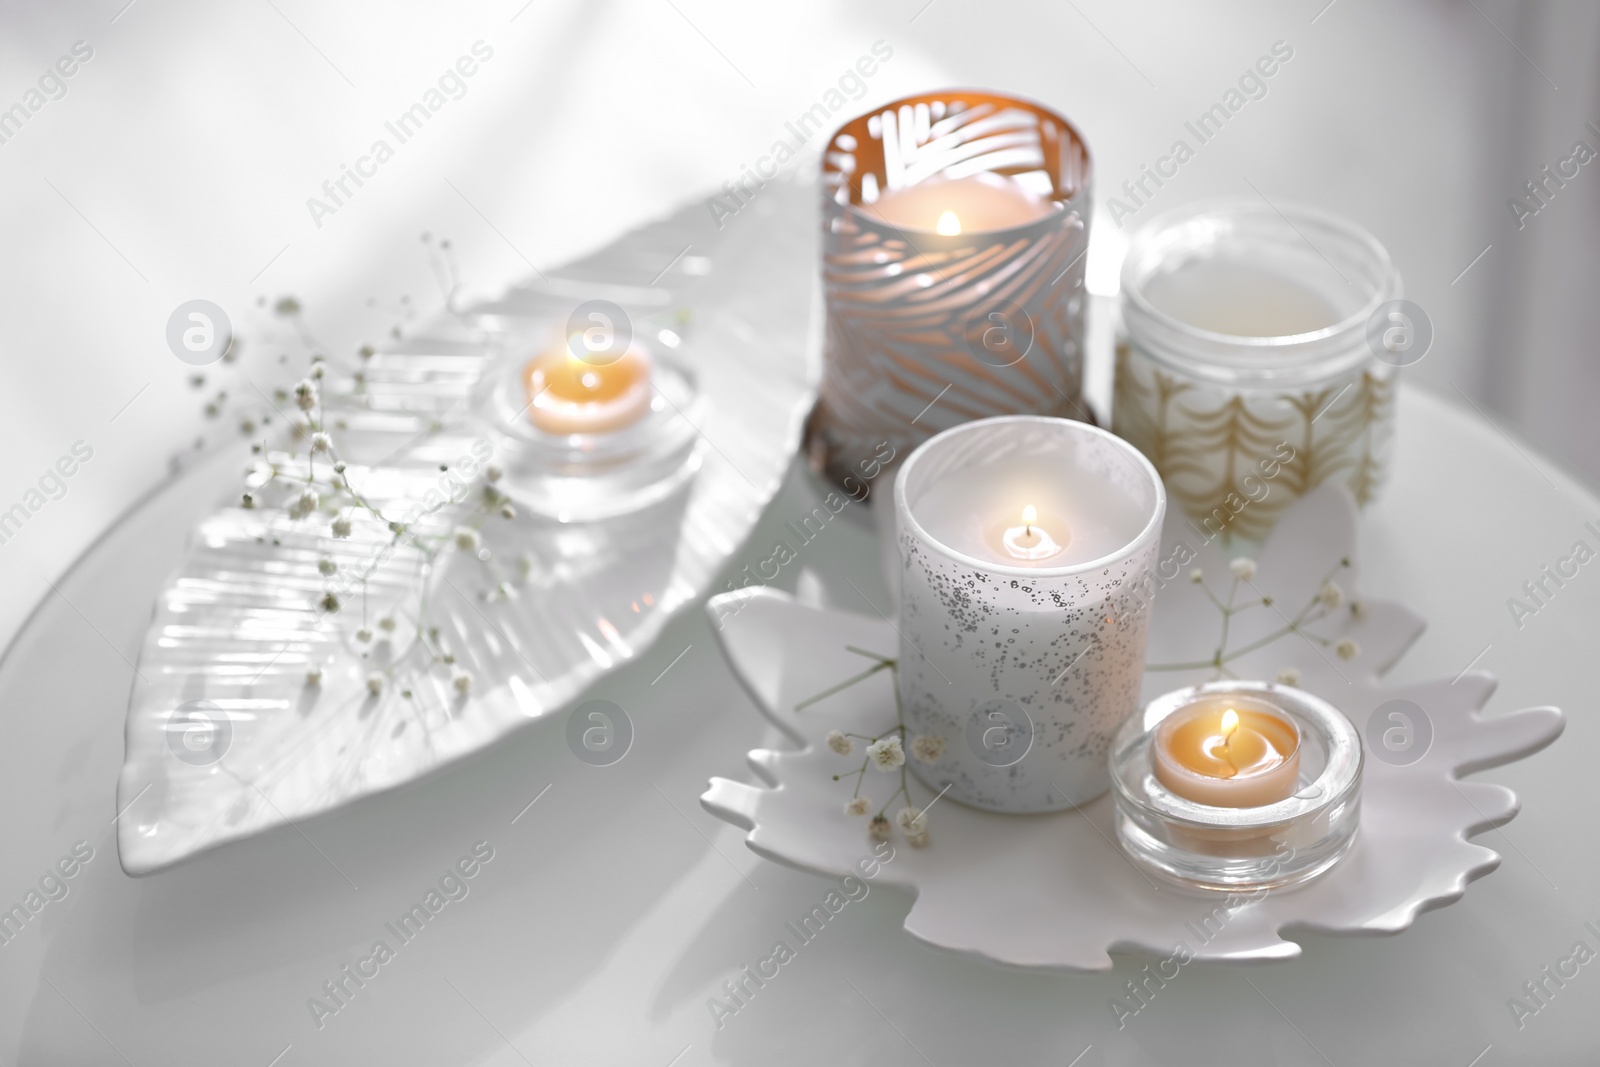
(1234, 458)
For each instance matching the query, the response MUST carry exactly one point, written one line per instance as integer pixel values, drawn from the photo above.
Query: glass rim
(1136, 273)
(1150, 532)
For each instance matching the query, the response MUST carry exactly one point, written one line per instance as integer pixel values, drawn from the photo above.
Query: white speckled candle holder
(1025, 671)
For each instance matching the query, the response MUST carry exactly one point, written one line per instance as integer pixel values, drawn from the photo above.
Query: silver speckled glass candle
(1026, 543)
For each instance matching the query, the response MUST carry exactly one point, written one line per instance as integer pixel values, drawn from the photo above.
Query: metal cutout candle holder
(1202, 846)
(927, 330)
(580, 477)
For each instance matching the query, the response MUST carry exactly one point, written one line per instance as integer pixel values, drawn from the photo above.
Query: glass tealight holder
(583, 476)
(1258, 359)
(1232, 849)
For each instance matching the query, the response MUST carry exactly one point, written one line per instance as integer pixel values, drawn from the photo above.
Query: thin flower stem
(846, 684)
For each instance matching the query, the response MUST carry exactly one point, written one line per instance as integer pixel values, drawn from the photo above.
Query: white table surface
(615, 906)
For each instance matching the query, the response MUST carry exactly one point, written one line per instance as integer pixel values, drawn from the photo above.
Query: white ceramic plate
(236, 628)
(1055, 891)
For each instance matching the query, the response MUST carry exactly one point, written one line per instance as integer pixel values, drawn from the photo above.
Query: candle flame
(1230, 722)
(1029, 514)
(949, 224)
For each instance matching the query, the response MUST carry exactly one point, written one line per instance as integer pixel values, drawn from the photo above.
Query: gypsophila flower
(1197, 576)
(386, 623)
(1243, 568)
(1331, 596)
(329, 603)
(493, 473)
(375, 683)
(911, 821)
(305, 394)
(341, 527)
(316, 372)
(1289, 676)
(927, 748)
(507, 511)
(313, 675)
(363, 635)
(857, 806)
(918, 840)
(304, 504)
(1358, 609)
(525, 565)
(1347, 649)
(248, 501)
(466, 538)
(886, 753)
(321, 442)
(878, 829)
(840, 743)
(462, 680)
(327, 567)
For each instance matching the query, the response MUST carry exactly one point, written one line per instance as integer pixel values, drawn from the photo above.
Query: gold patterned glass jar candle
(1258, 359)
(954, 230)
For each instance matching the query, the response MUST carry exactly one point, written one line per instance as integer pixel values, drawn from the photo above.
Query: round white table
(613, 906)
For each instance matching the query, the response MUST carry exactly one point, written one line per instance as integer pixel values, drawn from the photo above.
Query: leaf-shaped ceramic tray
(237, 627)
(1054, 891)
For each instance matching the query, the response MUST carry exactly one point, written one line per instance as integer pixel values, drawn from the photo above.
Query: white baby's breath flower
(386, 623)
(304, 504)
(313, 675)
(840, 743)
(305, 394)
(327, 566)
(493, 473)
(878, 829)
(1358, 609)
(363, 635)
(1347, 649)
(321, 442)
(911, 821)
(247, 501)
(918, 840)
(1331, 596)
(1197, 576)
(1243, 568)
(1289, 676)
(462, 680)
(341, 527)
(375, 683)
(927, 748)
(525, 564)
(508, 511)
(466, 538)
(886, 753)
(857, 806)
(329, 603)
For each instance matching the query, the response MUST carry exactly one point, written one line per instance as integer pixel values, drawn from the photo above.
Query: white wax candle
(1228, 753)
(981, 512)
(1241, 299)
(978, 203)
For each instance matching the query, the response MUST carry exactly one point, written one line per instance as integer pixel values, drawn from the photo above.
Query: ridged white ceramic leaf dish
(237, 627)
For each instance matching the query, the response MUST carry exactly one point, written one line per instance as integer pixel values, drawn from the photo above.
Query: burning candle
(573, 389)
(977, 203)
(1031, 512)
(1228, 753)
(1024, 542)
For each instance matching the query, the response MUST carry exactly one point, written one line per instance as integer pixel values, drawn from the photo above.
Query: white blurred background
(178, 164)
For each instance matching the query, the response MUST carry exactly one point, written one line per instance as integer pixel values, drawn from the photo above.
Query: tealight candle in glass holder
(1237, 786)
(586, 430)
